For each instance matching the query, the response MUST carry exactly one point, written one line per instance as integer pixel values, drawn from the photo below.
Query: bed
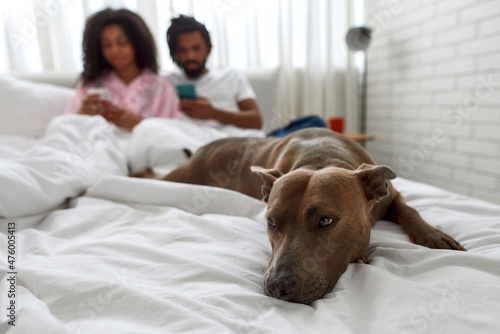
(96, 251)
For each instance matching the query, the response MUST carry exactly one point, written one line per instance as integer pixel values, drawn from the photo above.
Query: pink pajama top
(148, 95)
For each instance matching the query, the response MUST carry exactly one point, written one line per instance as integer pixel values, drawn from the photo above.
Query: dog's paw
(434, 238)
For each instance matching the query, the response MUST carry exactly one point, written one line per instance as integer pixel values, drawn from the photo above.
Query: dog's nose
(282, 286)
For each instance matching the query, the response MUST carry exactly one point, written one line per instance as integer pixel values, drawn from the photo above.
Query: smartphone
(186, 91)
(102, 91)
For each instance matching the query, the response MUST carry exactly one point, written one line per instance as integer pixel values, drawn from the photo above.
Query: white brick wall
(434, 92)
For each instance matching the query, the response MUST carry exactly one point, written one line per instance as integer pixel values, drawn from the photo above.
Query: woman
(119, 54)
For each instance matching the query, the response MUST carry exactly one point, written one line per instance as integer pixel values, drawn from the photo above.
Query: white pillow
(26, 108)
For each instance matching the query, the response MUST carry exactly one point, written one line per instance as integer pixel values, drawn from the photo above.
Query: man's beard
(196, 72)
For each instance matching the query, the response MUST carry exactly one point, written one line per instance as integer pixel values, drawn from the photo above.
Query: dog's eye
(325, 221)
(270, 223)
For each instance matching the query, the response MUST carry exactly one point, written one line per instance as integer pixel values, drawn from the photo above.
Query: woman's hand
(91, 105)
(119, 116)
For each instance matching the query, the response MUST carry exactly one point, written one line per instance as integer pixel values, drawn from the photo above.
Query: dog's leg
(362, 260)
(147, 173)
(182, 174)
(419, 231)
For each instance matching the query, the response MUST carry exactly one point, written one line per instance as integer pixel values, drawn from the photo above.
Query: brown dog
(324, 194)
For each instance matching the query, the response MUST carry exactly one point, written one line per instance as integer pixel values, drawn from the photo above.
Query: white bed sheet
(147, 256)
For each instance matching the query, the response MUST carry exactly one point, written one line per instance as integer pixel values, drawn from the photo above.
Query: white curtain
(303, 38)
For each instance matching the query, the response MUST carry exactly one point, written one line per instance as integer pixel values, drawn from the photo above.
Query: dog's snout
(282, 286)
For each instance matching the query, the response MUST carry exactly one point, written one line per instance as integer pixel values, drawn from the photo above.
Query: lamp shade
(358, 38)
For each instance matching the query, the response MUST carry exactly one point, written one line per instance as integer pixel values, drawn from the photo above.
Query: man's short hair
(185, 24)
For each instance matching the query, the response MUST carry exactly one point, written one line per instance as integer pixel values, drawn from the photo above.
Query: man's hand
(197, 108)
(248, 117)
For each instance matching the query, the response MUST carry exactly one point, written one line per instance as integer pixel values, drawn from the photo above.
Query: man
(223, 94)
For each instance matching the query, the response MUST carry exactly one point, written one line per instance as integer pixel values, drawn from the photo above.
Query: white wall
(434, 92)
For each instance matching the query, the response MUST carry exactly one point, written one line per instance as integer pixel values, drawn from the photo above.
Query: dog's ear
(374, 180)
(268, 176)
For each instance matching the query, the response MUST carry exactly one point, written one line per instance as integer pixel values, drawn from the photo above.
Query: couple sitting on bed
(120, 55)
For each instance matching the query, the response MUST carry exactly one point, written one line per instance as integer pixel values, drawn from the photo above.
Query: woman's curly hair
(137, 32)
(184, 24)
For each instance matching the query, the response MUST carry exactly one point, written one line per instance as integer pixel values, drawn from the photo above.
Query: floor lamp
(357, 39)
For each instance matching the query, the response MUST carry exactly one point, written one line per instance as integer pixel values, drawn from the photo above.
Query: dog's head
(318, 222)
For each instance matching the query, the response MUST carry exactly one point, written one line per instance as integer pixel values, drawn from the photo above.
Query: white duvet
(75, 152)
(145, 256)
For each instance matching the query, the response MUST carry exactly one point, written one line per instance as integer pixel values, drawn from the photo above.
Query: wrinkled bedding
(100, 252)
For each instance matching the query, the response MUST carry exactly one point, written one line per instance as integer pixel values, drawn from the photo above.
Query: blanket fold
(76, 151)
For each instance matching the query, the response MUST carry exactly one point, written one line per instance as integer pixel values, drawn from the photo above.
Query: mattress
(96, 251)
